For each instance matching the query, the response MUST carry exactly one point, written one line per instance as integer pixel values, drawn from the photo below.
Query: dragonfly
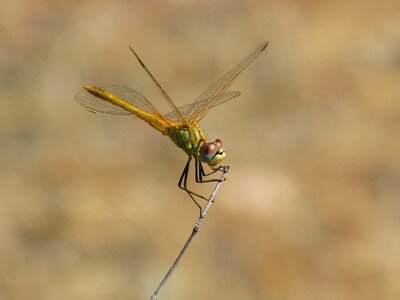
(181, 124)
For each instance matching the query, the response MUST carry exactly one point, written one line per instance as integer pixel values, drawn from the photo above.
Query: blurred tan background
(89, 207)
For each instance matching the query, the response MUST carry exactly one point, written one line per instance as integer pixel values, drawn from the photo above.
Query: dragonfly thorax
(193, 142)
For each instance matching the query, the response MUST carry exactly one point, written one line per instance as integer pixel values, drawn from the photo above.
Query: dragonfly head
(212, 153)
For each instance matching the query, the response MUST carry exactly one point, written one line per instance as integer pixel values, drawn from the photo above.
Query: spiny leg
(203, 173)
(200, 173)
(182, 184)
(184, 177)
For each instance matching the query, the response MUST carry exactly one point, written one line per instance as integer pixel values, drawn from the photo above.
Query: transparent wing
(186, 110)
(98, 105)
(220, 86)
(163, 92)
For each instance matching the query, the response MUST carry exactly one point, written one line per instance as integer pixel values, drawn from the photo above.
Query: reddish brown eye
(218, 142)
(209, 148)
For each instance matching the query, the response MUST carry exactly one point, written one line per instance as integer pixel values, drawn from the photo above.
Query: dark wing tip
(91, 110)
(264, 45)
(137, 57)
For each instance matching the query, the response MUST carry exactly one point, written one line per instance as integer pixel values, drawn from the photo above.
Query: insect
(181, 124)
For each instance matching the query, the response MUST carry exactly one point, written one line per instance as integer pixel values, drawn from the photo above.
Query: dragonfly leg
(200, 173)
(221, 168)
(182, 184)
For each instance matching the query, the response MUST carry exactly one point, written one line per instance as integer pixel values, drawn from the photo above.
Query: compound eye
(210, 148)
(219, 143)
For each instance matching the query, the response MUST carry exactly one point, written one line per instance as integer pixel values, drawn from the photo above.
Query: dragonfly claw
(225, 169)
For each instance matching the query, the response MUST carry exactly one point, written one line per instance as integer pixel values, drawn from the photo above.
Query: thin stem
(195, 230)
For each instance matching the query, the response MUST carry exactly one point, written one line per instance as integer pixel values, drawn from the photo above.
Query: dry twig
(195, 230)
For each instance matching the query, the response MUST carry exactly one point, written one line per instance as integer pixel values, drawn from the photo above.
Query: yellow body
(184, 136)
(156, 120)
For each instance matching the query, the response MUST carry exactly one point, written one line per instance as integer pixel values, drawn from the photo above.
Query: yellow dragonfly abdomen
(154, 119)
